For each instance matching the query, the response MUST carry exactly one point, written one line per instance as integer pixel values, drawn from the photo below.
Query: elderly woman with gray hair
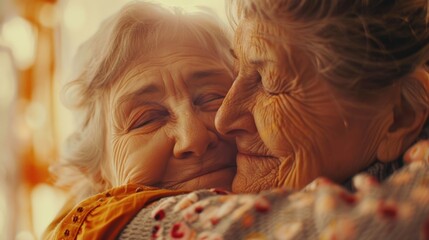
(328, 97)
(149, 85)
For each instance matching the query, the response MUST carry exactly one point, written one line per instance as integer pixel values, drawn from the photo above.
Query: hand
(418, 152)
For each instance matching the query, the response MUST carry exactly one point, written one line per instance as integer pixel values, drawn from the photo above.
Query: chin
(221, 178)
(241, 185)
(256, 173)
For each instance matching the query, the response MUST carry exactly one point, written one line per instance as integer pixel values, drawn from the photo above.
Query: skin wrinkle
(104, 169)
(133, 101)
(263, 179)
(373, 127)
(328, 107)
(148, 177)
(299, 146)
(109, 59)
(179, 78)
(263, 36)
(302, 126)
(378, 126)
(133, 73)
(121, 109)
(287, 169)
(148, 107)
(282, 78)
(120, 153)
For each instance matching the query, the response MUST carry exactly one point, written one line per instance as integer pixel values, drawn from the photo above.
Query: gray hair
(119, 44)
(356, 45)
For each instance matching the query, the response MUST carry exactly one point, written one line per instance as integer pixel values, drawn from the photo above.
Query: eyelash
(205, 100)
(253, 75)
(256, 76)
(149, 117)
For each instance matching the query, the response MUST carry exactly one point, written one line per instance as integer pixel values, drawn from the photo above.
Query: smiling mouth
(216, 170)
(204, 174)
(253, 155)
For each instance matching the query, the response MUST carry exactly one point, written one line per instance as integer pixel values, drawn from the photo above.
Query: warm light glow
(35, 115)
(48, 15)
(74, 16)
(64, 121)
(47, 202)
(195, 5)
(20, 36)
(20, 128)
(3, 208)
(8, 84)
(24, 235)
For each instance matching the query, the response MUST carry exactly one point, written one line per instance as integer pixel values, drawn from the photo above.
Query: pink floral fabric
(397, 208)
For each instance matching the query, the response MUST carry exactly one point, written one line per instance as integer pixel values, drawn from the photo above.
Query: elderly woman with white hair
(149, 85)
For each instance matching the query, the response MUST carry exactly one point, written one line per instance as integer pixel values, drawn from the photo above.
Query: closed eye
(233, 54)
(209, 102)
(150, 119)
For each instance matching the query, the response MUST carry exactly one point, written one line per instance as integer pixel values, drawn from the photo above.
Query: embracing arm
(398, 208)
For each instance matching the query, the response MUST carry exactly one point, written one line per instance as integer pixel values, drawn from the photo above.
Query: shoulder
(395, 208)
(105, 214)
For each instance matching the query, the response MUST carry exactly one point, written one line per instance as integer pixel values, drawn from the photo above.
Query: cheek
(208, 118)
(290, 125)
(277, 122)
(141, 158)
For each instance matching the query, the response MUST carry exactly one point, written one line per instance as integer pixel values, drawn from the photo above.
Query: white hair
(120, 43)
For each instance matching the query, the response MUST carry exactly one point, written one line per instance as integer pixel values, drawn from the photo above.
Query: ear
(409, 117)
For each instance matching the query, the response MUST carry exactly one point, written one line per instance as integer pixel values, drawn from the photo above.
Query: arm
(395, 209)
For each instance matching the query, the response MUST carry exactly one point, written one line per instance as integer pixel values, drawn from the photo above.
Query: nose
(234, 117)
(193, 136)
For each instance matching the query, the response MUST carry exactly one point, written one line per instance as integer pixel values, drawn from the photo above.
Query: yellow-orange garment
(104, 215)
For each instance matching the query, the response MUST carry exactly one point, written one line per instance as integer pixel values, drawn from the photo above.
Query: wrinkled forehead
(175, 62)
(179, 59)
(167, 43)
(259, 38)
(180, 50)
(182, 55)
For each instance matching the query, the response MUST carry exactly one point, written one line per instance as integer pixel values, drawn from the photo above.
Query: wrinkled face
(291, 128)
(162, 121)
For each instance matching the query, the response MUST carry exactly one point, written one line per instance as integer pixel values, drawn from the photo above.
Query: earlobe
(398, 140)
(409, 117)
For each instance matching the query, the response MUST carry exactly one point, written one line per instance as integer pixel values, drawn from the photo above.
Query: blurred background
(38, 39)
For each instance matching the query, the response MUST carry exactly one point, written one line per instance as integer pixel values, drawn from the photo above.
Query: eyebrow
(151, 88)
(205, 74)
(256, 62)
(232, 52)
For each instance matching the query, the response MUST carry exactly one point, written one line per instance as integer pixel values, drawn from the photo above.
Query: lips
(262, 153)
(204, 173)
(213, 171)
(253, 155)
(252, 148)
(245, 153)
